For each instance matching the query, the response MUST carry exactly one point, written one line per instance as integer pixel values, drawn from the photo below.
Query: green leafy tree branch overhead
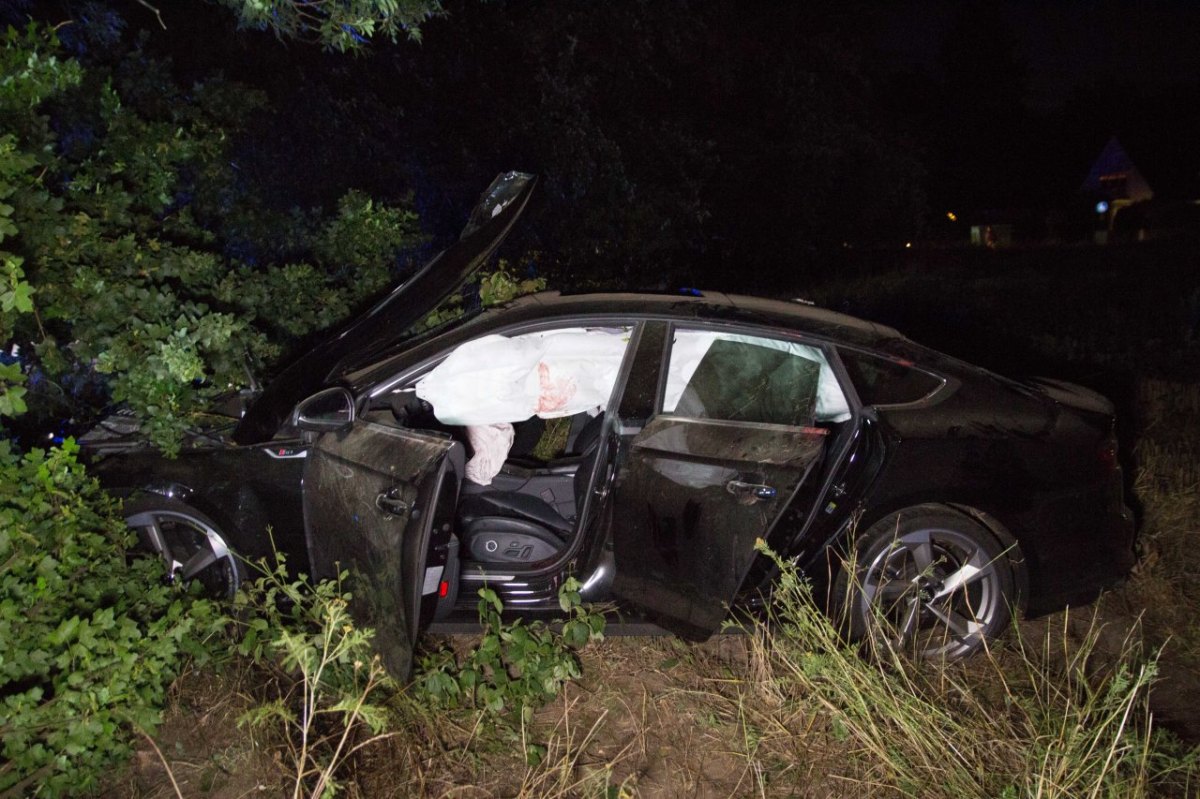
(341, 25)
(122, 221)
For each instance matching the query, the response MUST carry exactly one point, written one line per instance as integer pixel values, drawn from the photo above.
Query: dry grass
(204, 750)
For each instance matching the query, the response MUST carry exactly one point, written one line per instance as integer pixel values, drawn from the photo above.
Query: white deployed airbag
(497, 379)
(490, 444)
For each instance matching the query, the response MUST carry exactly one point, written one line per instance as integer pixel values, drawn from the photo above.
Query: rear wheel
(929, 581)
(189, 543)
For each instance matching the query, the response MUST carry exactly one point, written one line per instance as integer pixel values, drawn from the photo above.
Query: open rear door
(370, 496)
(698, 484)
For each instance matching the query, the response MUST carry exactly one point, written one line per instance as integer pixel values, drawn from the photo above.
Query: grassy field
(1102, 701)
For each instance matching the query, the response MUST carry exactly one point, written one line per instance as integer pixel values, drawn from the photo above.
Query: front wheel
(929, 581)
(189, 543)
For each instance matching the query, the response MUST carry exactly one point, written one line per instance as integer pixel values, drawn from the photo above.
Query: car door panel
(690, 501)
(693, 489)
(369, 501)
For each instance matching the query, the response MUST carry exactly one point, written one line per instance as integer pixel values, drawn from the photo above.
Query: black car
(690, 427)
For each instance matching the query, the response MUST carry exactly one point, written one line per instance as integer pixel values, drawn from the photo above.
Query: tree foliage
(129, 237)
(341, 25)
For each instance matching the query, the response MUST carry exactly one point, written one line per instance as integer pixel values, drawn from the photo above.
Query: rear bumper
(1107, 558)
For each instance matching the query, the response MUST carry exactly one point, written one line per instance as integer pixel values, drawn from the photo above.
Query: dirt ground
(652, 717)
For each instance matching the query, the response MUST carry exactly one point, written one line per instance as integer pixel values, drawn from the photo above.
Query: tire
(189, 543)
(929, 581)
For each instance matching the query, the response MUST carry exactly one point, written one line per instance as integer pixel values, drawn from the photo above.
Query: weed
(514, 666)
(1049, 722)
(333, 686)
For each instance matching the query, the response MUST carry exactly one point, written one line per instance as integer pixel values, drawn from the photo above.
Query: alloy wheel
(934, 592)
(190, 546)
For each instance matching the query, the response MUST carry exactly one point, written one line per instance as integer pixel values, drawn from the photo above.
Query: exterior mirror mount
(327, 411)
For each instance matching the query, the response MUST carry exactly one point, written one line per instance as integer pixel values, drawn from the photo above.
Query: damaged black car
(686, 428)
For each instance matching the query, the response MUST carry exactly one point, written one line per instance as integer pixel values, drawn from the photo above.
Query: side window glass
(750, 379)
(879, 381)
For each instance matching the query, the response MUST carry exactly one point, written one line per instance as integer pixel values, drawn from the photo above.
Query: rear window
(880, 381)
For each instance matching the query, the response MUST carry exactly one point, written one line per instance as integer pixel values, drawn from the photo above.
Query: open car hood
(389, 320)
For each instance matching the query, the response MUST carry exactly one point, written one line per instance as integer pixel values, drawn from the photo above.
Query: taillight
(443, 589)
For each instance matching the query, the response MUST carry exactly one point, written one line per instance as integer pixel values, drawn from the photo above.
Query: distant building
(1120, 200)
(1115, 183)
(1144, 186)
(1115, 177)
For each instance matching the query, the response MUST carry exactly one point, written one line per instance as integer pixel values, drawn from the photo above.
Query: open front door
(370, 500)
(706, 468)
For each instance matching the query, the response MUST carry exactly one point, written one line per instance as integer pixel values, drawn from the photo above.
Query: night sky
(1067, 46)
(704, 133)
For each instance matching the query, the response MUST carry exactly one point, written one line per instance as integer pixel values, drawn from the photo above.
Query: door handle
(750, 492)
(389, 502)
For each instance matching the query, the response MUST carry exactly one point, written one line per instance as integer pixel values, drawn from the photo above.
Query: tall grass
(1043, 721)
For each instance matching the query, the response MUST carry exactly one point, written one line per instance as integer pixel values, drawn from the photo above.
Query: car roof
(717, 306)
(706, 307)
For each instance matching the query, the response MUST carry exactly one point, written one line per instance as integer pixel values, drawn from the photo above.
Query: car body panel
(252, 493)
(686, 516)
(368, 506)
(1023, 457)
(689, 497)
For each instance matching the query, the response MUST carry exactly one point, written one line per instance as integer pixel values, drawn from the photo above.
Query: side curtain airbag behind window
(691, 346)
(496, 379)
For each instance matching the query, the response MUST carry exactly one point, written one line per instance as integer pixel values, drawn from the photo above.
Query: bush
(515, 665)
(91, 642)
(130, 249)
(326, 686)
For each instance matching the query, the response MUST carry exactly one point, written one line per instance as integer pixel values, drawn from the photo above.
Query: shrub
(515, 665)
(326, 684)
(130, 248)
(91, 642)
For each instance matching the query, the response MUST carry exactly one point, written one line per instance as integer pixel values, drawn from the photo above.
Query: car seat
(528, 513)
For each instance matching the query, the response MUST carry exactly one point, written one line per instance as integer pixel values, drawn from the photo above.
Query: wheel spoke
(962, 627)
(157, 541)
(910, 621)
(198, 563)
(966, 574)
(922, 555)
